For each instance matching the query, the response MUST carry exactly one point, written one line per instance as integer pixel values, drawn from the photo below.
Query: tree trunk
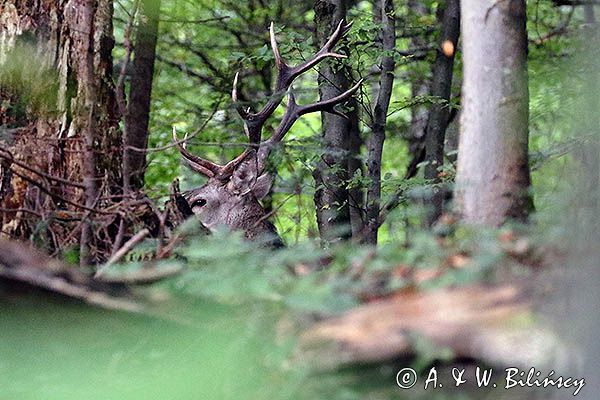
(439, 114)
(135, 139)
(493, 172)
(419, 88)
(332, 200)
(356, 194)
(385, 13)
(63, 160)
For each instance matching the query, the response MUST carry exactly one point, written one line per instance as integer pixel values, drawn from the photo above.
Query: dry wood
(19, 262)
(144, 276)
(493, 324)
(25, 264)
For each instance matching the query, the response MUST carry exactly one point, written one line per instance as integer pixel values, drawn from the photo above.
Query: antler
(253, 122)
(285, 76)
(200, 165)
(294, 111)
(206, 167)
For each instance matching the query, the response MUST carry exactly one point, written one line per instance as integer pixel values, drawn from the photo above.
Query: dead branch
(4, 153)
(144, 276)
(26, 264)
(59, 285)
(57, 196)
(122, 252)
(493, 324)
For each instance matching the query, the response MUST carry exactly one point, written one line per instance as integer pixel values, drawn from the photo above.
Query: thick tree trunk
(439, 114)
(385, 13)
(64, 160)
(332, 200)
(138, 107)
(493, 172)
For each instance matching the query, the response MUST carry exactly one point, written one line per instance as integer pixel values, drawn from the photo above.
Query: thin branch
(194, 21)
(144, 276)
(57, 196)
(127, 247)
(56, 284)
(24, 210)
(8, 156)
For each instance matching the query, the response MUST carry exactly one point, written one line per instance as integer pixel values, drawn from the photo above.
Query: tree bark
(439, 114)
(493, 172)
(385, 12)
(332, 200)
(476, 322)
(84, 40)
(356, 194)
(57, 174)
(138, 107)
(419, 87)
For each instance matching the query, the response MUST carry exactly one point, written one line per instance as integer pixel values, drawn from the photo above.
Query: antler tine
(234, 96)
(293, 111)
(329, 104)
(204, 167)
(289, 117)
(253, 122)
(340, 31)
(325, 52)
(286, 75)
(230, 167)
(275, 47)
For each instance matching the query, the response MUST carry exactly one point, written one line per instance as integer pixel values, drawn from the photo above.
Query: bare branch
(122, 252)
(9, 157)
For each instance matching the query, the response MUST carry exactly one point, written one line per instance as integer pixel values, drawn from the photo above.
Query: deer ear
(262, 187)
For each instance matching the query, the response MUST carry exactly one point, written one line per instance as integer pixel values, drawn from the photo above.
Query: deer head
(232, 195)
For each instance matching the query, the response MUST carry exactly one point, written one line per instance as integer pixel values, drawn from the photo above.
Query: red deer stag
(231, 196)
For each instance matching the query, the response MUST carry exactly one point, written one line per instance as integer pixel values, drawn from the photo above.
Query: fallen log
(22, 263)
(491, 324)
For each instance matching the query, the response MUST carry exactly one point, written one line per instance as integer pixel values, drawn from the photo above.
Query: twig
(57, 196)
(191, 136)
(273, 211)
(23, 210)
(127, 247)
(9, 157)
(144, 275)
(119, 237)
(167, 249)
(195, 21)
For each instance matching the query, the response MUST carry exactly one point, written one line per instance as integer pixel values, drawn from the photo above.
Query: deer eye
(198, 203)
